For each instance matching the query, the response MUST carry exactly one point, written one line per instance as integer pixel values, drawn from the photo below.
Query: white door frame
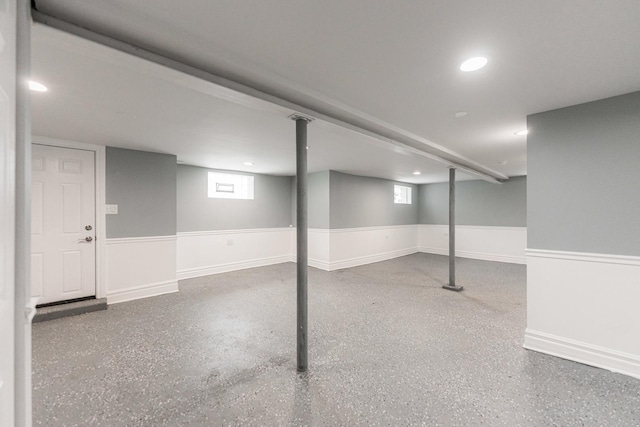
(100, 171)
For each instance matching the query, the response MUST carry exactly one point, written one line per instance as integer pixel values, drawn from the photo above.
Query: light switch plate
(111, 209)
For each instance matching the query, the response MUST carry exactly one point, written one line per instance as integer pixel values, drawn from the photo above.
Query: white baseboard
(614, 361)
(225, 268)
(143, 291)
(369, 259)
(435, 251)
(317, 263)
(476, 255)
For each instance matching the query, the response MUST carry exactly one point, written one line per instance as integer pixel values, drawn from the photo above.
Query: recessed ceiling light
(473, 64)
(248, 163)
(522, 132)
(416, 173)
(37, 87)
(504, 162)
(460, 114)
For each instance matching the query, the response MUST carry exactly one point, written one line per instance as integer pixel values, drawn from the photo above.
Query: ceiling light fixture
(521, 132)
(416, 173)
(460, 114)
(248, 163)
(473, 64)
(37, 87)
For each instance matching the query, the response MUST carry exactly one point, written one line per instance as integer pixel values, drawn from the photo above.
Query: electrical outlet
(111, 209)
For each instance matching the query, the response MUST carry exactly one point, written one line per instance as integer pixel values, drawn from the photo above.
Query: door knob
(88, 228)
(86, 239)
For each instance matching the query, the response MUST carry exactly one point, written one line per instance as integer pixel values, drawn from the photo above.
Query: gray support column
(302, 226)
(452, 233)
(23, 314)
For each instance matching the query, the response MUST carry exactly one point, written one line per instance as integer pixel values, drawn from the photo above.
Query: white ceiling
(394, 63)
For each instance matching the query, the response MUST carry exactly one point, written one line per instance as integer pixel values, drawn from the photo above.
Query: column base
(452, 288)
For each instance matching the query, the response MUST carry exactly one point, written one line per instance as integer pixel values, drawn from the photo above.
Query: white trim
(359, 229)
(473, 227)
(100, 179)
(600, 357)
(584, 256)
(316, 263)
(145, 239)
(242, 231)
(436, 251)
(143, 291)
(512, 259)
(369, 259)
(189, 273)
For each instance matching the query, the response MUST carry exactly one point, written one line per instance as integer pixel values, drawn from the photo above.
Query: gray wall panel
(584, 177)
(271, 207)
(477, 203)
(143, 185)
(318, 199)
(358, 201)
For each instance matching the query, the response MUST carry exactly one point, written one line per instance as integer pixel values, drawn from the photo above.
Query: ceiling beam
(321, 108)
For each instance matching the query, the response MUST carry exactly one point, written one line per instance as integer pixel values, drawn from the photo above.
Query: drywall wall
(359, 201)
(143, 185)
(270, 208)
(317, 200)
(583, 193)
(583, 260)
(477, 203)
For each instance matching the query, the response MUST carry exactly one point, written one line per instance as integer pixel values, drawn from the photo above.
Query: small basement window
(402, 194)
(230, 186)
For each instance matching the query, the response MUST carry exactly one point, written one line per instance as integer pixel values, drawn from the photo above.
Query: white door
(7, 204)
(63, 250)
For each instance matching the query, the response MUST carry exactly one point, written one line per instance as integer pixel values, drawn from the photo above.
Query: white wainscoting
(350, 247)
(209, 252)
(584, 307)
(489, 243)
(202, 253)
(139, 267)
(319, 248)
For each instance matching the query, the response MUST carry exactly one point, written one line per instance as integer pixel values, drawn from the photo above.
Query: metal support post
(302, 225)
(452, 233)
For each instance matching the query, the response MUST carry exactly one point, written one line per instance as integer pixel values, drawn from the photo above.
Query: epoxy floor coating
(388, 347)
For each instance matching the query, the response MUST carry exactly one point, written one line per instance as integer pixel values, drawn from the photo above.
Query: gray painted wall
(584, 177)
(271, 207)
(477, 203)
(318, 199)
(358, 201)
(143, 185)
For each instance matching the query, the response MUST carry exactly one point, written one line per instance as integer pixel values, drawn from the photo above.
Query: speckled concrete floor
(388, 347)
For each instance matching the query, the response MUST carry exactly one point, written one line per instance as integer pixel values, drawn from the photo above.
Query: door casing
(100, 231)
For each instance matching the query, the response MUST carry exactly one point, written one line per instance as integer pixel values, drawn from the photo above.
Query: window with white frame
(402, 194)
(230, 186)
